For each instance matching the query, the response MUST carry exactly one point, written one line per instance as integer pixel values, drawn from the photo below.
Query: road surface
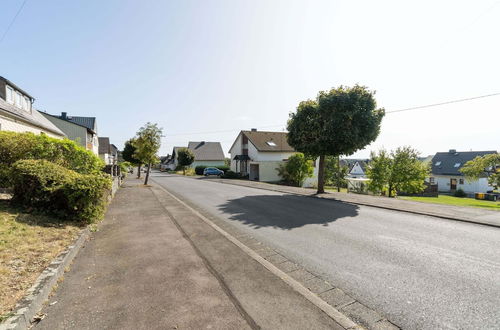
(420, 272)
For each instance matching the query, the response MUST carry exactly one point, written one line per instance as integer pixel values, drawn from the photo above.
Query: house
(82, 130)
(358, 168)
(108, 152)
(445, 172)
(17, 113)
(258, 154)
(205, 153)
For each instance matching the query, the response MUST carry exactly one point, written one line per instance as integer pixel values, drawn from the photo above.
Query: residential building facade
(445, 172)
(259, 154)
(108, 152)
(17, 113)
(85, 135)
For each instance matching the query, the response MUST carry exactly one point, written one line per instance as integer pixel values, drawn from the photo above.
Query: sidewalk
(138, 272)
(466, 214)
(155, 265)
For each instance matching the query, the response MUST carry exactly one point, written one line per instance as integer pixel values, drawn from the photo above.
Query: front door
(453, 184)
(254, 172)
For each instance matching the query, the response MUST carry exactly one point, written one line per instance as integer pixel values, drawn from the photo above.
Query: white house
(358, 169)
(17, 113)
(445, 172)
(205, 153)
(258, 154)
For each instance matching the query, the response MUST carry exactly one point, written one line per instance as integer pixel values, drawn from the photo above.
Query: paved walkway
(154, 264)
(467, 214)
(138, 272)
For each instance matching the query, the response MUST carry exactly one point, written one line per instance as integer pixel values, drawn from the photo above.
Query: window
(461, 181)
(457, 165)
(432, 180)
(27, 104)
(19, 100)
(10, 95)
(271, 143)
(437, 164)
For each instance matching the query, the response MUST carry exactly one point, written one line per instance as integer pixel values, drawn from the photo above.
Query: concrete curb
(332, 312)
(33, 302)
(430, 214)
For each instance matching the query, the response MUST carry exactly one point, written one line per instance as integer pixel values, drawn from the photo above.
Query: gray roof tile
(443, 163)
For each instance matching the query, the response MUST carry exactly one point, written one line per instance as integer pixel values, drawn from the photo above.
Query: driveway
(418, 271)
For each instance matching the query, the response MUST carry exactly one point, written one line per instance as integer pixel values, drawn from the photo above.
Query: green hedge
(234, 175)
(52, 188)
(66, 153)
(200, 168)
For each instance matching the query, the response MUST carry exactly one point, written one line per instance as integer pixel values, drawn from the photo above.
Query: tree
(339, 122)
(147, 144)
(128, 155)
(379, 171)
(397, 172)
(185, 158)
(486, 165)
(296, 169)
(335, 173)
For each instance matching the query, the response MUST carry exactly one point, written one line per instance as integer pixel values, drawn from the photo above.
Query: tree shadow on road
(286, 211)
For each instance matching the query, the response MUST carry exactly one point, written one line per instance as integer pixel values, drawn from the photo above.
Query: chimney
(452, 151)
(64, 115)
(254, 130)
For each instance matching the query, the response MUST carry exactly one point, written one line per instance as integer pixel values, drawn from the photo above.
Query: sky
(204, 70)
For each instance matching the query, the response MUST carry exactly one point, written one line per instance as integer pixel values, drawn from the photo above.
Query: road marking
(329, 310)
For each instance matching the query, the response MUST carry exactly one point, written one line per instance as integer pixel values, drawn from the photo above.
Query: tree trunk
(147, 174)
(338, 174)
(183, 170)
(390, 190)
(321, 175)
(139, 171)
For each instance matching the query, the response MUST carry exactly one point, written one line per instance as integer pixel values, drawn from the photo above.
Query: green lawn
(451, 200)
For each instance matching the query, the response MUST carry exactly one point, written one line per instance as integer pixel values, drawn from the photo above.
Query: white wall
(443, 182)
(235, 150)
(7, 124)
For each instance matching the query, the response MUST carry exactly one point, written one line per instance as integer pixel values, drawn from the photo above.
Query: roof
(206, 150)
(34, 117)
(88, 122)
(269, 141)
(104, 145)
(449, 163)
(66, 120)
(10, 83)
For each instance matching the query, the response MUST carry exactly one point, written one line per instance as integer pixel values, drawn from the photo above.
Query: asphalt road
(420, 272)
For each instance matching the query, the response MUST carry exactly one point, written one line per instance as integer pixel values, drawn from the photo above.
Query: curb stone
(356, 319)
(33, 301)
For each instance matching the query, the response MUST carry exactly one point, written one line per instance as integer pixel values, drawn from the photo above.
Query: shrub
(66, 153)
(460, 193)
(234, 175)
(296, 169)
(52, 188)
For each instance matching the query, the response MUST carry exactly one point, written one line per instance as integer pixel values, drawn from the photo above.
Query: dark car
(212, 171)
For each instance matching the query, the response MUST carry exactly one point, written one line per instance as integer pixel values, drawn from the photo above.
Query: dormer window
(457, 164)
(17, 99)
(437, 164)
(271, 143)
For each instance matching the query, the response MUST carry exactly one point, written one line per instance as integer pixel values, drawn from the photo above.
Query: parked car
(212, 171)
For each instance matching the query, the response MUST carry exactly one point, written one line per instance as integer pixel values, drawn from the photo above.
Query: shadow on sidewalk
(286, 211)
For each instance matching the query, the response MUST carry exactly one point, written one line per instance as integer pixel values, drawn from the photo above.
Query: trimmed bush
(234, 175)
(66, 153)
(460, 193)
(52, 188)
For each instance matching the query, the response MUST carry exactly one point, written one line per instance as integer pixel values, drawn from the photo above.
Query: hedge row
(200, 168)
(46, 186)
(66, 153)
